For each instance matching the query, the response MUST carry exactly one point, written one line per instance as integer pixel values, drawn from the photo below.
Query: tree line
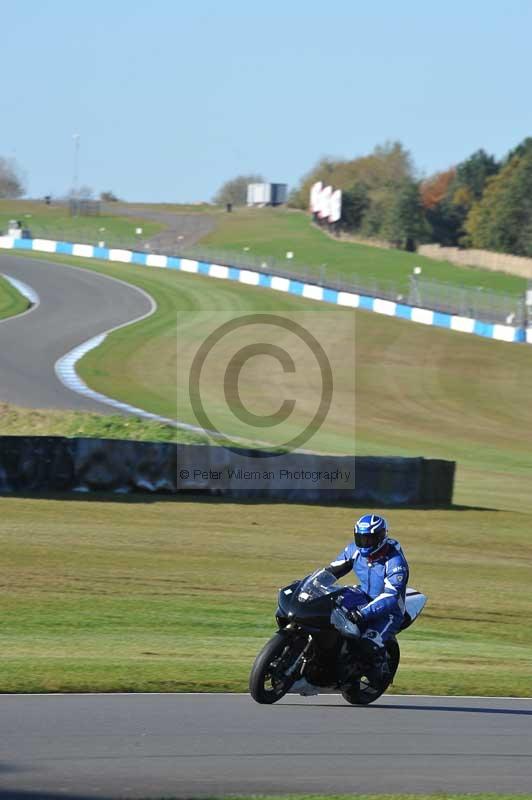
(480, 202)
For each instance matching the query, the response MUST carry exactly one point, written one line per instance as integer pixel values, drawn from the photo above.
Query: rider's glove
(358, 618)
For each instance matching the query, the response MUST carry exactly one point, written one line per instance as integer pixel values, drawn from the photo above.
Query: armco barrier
(57, 464)
(505, 333)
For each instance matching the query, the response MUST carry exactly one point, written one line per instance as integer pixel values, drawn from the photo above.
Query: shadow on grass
(197, 497)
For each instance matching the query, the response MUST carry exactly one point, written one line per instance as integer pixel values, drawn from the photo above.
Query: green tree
(386, 166)
(370, 185)
(449, 196)
(109, 197)
(522, 149)
(235, 191)
(381, 201)
(404, 224)
(322, 171)
(11, 180)
(471, 176)
(502, 219)
(445, 223)
(355, 203)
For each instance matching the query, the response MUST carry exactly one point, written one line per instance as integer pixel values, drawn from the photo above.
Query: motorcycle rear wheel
(363, 692)
(268, 681)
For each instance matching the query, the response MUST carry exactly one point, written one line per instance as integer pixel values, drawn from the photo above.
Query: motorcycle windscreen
(415, 603)
(318, 584)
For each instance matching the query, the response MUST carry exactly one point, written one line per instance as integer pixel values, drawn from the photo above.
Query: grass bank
(274, 232)
(55, 222)
(138, 594)
(149, 594)
(418, 390)
(11, 301)
(17, 421)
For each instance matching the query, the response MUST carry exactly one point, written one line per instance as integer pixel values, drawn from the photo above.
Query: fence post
(527, 313)
(414, 298)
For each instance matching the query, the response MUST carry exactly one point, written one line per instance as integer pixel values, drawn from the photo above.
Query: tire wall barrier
(56, 464)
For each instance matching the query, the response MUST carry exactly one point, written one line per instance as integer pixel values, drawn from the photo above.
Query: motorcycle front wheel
(272, 675)
(363, 692)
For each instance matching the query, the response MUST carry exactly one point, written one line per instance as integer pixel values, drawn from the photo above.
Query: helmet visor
(369, 540)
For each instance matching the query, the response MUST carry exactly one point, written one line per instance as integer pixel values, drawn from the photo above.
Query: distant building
(267, 194)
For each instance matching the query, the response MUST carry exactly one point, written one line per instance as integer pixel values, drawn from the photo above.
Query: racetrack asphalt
(75, 305)
(185, 745)
(181, 230)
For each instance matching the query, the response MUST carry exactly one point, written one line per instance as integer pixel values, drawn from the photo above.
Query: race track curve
(75, 305)
(154, 746)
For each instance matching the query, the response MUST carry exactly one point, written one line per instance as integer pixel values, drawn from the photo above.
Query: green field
(110, 594)
(259, 234)
(54, 222)
(11, 301)
(416, 390)
(274, 232)
(171, 595)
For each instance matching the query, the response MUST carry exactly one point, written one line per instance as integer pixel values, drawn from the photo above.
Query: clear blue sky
(172, 98)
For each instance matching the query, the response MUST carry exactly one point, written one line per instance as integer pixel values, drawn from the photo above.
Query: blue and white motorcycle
(317, 647)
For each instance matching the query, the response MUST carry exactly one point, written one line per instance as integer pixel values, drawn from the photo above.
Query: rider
(377, 605)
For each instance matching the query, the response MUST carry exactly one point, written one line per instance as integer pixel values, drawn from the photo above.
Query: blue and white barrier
(425, 316)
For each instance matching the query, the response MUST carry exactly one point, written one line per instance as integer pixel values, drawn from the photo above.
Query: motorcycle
(318, 648)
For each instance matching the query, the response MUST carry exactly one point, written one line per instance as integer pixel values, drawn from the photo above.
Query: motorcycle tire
(267, 681)
(362, 692)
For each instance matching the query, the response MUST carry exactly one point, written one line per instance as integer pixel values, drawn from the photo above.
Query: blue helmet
(371, 532)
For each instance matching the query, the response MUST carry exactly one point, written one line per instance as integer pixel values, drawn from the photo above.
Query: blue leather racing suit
(380, 597)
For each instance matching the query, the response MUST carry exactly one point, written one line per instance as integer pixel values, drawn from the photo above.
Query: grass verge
(274, 232)
(11, 301)
(16, 421)
(54, 222)
(146, 594)
(419, 390)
